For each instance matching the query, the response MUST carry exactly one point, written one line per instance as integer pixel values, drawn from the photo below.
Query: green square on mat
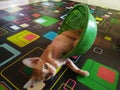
(46, 20)
(97, 82)
(115, 21)
(28, 71)
(3, 87)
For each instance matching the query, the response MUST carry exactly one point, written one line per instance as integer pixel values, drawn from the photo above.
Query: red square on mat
(30, 37)
(106, 74)
(36, 15)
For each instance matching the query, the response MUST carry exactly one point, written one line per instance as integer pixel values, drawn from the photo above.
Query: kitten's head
(41, 70)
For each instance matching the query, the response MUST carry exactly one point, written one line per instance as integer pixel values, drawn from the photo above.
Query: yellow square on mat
(24, 25)
(23, 38)
(98, 18)
(107, 38)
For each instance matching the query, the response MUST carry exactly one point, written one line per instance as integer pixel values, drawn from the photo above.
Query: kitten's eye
(46, 66)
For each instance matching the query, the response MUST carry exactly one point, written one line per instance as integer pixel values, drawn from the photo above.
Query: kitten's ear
(31, 62)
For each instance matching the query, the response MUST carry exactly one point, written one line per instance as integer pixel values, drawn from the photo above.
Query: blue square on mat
(50, 35)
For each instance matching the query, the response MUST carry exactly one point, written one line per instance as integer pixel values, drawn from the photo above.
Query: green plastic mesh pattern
(75, 20)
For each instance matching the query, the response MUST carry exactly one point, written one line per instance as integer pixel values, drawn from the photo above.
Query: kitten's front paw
(86, 73)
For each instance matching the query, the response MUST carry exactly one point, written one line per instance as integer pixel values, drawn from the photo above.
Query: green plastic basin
(79, 17)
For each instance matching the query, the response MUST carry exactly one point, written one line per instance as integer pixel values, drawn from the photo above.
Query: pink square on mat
(106, 74)
(75, 57)
(36, 15)
(30, 37)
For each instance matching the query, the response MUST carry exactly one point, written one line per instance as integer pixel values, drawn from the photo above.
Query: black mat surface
(25, 31)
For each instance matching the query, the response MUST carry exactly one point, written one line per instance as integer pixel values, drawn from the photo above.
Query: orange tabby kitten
(44, 67)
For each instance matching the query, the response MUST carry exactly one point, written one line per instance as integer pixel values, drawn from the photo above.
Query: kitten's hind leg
(74, 68)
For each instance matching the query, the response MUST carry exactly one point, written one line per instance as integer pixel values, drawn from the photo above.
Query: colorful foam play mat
(25, 31)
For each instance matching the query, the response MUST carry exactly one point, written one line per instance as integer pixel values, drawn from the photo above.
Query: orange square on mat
(30, 37)
(106, 74)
